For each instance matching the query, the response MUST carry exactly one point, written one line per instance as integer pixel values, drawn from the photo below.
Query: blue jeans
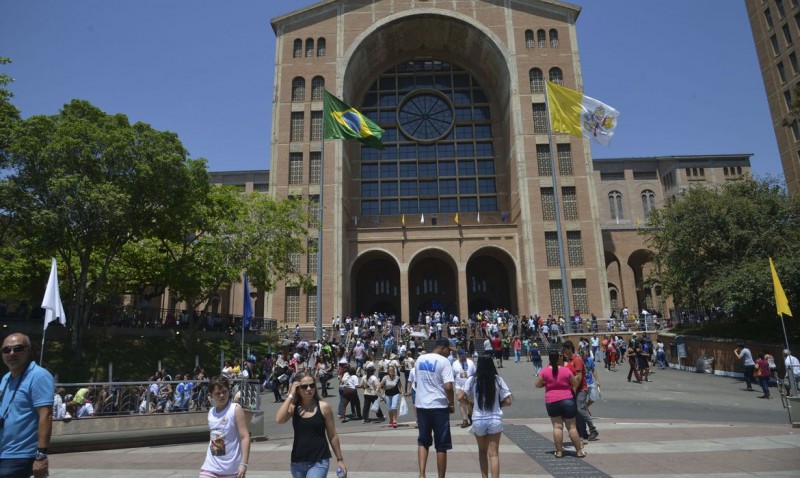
(516, 356)
(16, 467)
(307, 469)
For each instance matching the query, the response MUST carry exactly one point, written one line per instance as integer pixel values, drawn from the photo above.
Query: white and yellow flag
(574, 113)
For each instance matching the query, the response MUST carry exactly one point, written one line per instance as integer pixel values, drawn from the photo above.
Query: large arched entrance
(432, 283)
(640, 262)
(491, 281)
(376, 284)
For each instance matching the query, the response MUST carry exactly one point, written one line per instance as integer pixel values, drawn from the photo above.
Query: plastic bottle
(340, 473)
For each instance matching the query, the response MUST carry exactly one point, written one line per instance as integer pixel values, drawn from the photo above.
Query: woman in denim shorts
(489, 393)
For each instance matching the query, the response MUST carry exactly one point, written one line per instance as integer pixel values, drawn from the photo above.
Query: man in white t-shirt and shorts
(434, 401)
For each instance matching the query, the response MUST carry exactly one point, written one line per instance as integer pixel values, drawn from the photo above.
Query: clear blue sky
(683, 73)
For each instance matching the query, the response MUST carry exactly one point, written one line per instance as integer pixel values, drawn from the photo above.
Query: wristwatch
(41, 454)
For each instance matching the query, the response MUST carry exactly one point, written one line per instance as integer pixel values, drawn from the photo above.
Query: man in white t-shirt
(792, 365)
(463, 368)
(433, 375)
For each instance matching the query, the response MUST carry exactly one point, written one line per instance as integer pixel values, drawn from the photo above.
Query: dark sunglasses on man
(15, 348)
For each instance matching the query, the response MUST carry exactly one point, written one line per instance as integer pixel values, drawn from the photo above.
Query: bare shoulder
(325, 408)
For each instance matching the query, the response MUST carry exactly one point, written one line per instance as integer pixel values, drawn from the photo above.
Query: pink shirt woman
(558, 388)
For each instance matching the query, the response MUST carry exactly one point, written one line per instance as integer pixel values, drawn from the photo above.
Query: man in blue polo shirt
(26, 412)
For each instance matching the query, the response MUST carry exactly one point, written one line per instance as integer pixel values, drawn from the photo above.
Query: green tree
(711, 246)
(126, 211)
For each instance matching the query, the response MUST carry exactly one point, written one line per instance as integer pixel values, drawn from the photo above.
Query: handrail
(140, 398)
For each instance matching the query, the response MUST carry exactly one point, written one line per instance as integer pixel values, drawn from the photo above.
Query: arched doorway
(640, 262)
(432, 284)
(491, 281)
(376, 284)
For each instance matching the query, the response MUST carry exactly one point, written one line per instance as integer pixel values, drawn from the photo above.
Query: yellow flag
(456, 219)
(403, 220)
(781, 301)
(574, 113)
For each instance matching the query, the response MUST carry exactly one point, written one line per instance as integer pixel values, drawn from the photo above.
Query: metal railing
(104, 399)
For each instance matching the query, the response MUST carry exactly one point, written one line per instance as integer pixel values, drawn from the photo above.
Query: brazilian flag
(345, 122)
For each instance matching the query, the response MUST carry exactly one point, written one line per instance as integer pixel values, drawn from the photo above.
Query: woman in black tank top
(313, 423)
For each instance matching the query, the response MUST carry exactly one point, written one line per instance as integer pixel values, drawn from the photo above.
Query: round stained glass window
(425, 116)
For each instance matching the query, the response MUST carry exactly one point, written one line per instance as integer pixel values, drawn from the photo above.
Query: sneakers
(593, 436)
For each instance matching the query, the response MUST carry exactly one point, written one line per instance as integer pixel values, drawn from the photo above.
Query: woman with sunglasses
(314, 426)
(229, 447)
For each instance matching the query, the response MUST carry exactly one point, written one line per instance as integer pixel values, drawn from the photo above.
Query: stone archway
(640, 262)
(432, 283)
(491, 281)
(375, 279)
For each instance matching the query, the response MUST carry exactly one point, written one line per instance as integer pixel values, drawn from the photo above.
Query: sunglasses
(306, 386)
(16, 349)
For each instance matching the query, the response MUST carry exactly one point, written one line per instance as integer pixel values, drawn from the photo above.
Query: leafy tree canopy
(124, 209)
(712, 247)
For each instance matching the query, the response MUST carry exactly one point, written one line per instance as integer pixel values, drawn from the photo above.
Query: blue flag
(247, 311)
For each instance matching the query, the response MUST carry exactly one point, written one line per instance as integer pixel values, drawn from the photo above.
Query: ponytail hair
(555, 358)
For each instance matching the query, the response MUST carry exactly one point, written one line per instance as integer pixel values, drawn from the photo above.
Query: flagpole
(318, 328)
(556, 206)
(41, 354)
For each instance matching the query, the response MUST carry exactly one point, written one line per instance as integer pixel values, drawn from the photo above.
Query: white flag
(422, 218)
(54, 309)
(479, 216)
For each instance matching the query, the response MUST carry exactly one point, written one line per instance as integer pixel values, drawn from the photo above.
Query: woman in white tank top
(229, 445)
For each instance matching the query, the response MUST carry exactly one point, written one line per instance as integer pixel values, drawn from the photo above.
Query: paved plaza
(682, 424)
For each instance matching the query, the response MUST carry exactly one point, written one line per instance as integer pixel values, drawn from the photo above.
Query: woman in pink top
(558, 382)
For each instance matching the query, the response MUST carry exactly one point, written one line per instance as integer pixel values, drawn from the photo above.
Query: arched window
(309, 48)
(529, 39)
(648, 201)
(541, 38)
(299, 89)
(556, 76)
(553, 38)
(298, 48)
(317, 87)
(615, 205)
(320, 47)
(537, 80)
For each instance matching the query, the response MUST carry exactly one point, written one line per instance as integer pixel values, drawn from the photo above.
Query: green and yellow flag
(781, 301)
(345, 122)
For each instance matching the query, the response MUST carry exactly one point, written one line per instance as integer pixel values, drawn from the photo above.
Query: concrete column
(405, 290)
(627, 288)
(463, 295)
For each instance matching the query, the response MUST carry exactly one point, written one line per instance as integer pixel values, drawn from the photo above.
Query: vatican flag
(576, 114)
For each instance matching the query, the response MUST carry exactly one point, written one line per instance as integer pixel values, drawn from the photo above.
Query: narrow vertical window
(564, 159)
(295, 168)
(298, 48)
(556, 76)
(309, 48)
(615, 205)
(540, 123)
(317, 88)
(541, 38)
(570, 200)
(649, 200)
(298, 89)
(292, 307)
(296, 131)
(529, 43)
(314, 167)
(321, 47)
(548, 204)
(311, 305)
(316, 126)
(574, 248)
(551, 248)
(553, 38)
(537, 80)
(543, 160)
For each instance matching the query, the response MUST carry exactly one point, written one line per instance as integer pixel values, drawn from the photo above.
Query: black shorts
(562, 408)
(434, 421)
